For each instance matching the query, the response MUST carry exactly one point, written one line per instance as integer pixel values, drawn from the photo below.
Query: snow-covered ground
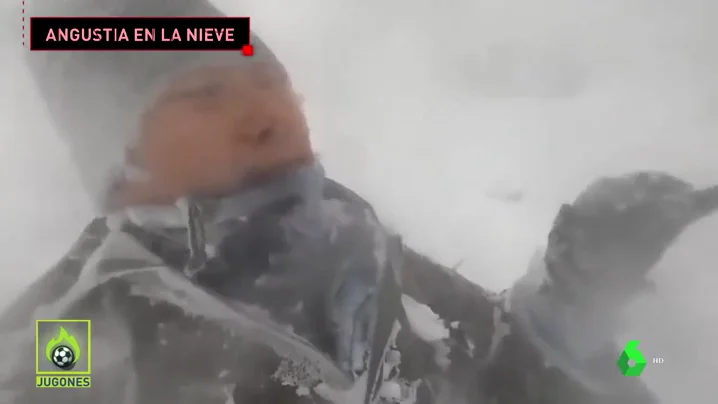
(467, 123)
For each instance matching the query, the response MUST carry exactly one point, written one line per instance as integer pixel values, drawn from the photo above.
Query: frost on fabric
(425, 323)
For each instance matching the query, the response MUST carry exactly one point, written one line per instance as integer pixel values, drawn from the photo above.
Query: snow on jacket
(283, 252)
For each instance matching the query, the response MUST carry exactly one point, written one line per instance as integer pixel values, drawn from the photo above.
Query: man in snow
(99, 130)
(103, 277)
(234, 137)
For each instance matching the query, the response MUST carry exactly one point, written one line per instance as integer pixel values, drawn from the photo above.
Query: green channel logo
(631, 353)
(63, 353)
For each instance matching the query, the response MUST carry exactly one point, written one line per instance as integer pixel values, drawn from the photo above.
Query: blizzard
(466, 125)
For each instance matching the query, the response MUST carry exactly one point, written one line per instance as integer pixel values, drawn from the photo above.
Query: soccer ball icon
(63, 357)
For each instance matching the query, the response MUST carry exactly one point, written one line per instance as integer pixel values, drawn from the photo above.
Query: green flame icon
(63, 338)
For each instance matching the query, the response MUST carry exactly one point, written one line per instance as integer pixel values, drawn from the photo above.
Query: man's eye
(212, 90)
(207, 92)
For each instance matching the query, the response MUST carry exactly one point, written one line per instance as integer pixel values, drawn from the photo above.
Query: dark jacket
(159, 337)
(314, 263)
(284, 254)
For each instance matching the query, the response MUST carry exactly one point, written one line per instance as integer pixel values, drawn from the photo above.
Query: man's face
(214, 126)
(189, 140)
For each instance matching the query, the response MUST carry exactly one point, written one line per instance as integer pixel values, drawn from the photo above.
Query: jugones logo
(63, 353)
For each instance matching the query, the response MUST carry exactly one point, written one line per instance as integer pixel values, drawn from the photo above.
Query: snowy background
(467, 123)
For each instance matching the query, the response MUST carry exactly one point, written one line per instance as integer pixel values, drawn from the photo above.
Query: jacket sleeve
(60, 294)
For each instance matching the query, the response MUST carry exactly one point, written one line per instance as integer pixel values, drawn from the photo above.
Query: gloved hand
(600, 251)
(602, 247)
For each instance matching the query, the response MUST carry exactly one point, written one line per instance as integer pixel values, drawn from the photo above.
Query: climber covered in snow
(257, 225)
(234, 139)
